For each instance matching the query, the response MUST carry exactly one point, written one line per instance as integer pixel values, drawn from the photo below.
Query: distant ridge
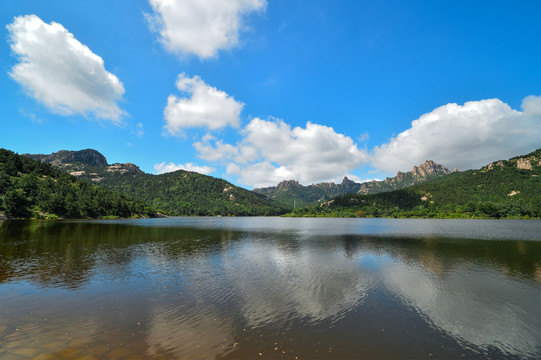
(292, 193)
(502, 189)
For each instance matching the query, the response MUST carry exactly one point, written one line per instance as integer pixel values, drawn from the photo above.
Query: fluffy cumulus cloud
(163, 168)
(60, 72)
(464, 136)
(204, 106)
(200, 27)
(272, 151)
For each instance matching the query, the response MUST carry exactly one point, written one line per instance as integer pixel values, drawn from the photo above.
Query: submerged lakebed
(270, 288)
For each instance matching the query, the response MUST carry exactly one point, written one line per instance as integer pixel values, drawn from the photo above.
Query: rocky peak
(87, 156)
(429, 168)
(400, 176)
(346, 181)
(288, 184)
(349, 186)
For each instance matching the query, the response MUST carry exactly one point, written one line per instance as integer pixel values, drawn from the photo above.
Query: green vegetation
(190, 193)
(177, 193)
(33, 189)
(504, 189)
(30, 188)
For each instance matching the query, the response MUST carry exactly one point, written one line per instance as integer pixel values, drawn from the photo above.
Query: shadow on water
(65, 254)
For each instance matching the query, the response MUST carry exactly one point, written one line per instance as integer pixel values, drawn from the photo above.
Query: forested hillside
(31, 188)
(176, 193)
(190, 193)
(503, 189)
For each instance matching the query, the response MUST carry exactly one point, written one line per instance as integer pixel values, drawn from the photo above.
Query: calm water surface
(270, 288)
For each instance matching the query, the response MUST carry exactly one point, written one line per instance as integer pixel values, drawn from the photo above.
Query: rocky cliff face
(125, 168)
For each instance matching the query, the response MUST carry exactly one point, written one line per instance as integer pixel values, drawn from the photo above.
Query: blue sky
(259, 91)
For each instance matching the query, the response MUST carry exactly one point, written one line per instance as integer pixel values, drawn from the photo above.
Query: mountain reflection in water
(136, 288)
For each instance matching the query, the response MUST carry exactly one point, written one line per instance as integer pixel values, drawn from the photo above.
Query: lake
(270, 288)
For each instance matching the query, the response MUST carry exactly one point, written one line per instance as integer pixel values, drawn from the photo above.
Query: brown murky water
(268, 288)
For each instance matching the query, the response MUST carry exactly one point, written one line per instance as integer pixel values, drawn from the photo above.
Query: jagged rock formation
(429, 168)
(292, 193)
(288, 185)
(426, 171)
(349, 186)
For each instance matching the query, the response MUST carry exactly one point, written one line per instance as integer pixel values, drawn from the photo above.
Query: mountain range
(295, 195)
(181, 193)
(73, 184)
(502, 189)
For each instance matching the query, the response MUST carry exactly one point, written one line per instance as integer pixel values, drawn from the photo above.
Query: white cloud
(271, 151)
(206, 106)
(218, 151)
(139, 130)
(200, 27)
(464, 137)
(59, 71)
(163, 168)
(531, 105)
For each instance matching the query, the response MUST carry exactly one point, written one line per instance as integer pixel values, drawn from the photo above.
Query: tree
(16, 203)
